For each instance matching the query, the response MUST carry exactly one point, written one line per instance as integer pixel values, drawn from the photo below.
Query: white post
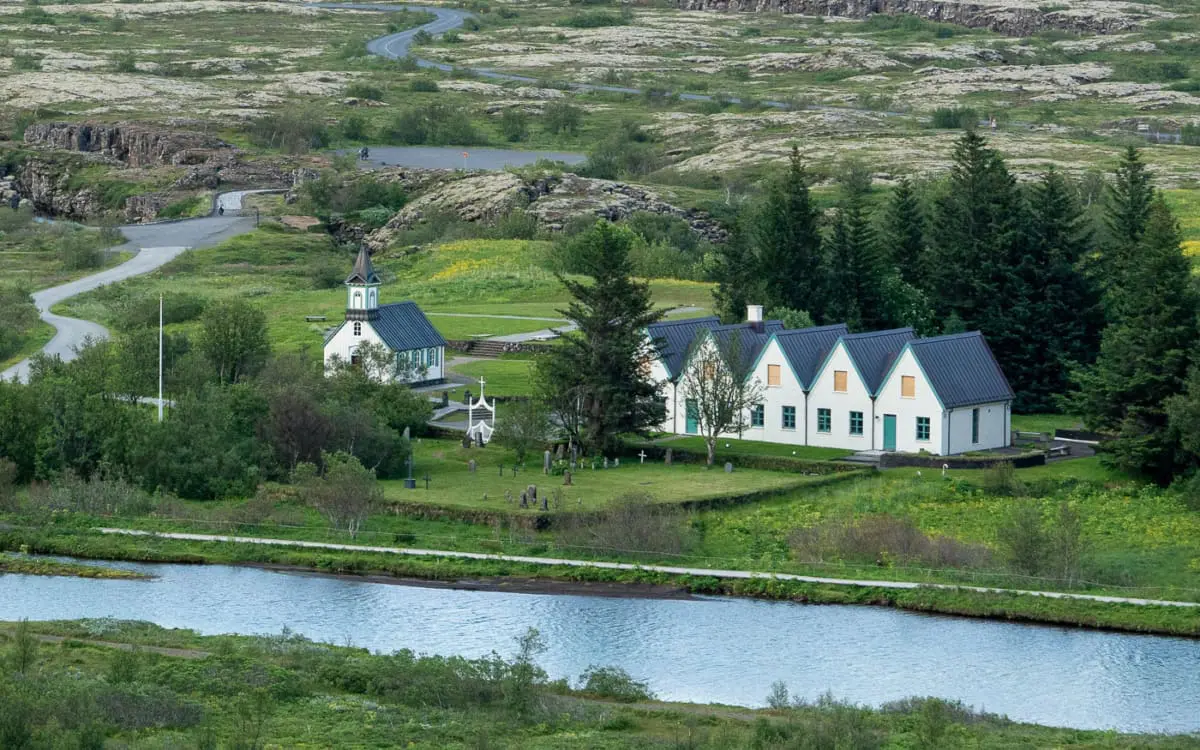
(160, 357)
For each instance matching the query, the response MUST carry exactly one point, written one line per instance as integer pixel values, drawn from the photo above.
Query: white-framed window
(435, 357)
(856, 423)
(789, 417)
(357, 328)
(923, 429)
(824, 420)
(757, 415)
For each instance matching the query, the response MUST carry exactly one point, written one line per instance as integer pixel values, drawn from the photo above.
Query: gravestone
(508, 498)
(467, 397)
(606, 462)
(642, 457)
(445, 398)
(617, 463)
(471, 466)
(558, 452)
(468, 441)
(546, 462)
(567, 478)
(524, 500)
(545, 502)
(668, 456)
(531, 491)
(728, 468)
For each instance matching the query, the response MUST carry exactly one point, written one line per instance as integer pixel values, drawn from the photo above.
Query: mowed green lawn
(452, 484)
(731, 446)
(1047, 423)
(502, 377)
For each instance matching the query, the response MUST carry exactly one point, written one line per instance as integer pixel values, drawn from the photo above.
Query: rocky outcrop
(554, 200)
(131, 144)
(47, 184)
(1012, 17)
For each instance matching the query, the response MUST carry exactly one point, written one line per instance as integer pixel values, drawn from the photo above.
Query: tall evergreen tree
(1063, 315)
(1128, 203)
(1144, 352)
(738, 276)
(602, 365)
(855, 275)
(787, 242)
(903, 235)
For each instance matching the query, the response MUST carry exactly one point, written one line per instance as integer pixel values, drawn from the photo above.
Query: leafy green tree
(345, 492)
(603, 362)
(514, 125)
(903, 232)
(791, 318)
(233, 336)
(523, 427)
(1145, 353)
(786, 241)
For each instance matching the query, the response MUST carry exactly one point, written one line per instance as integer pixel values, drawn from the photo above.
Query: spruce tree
(787, 243)
(1128, 202)
(1064, 319)
(855, 276)
(903, 235)
(738, 276)
(1144, 352)
(602, 364)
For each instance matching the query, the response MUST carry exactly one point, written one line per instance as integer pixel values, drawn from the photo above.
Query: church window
(358, 300)
(435, 360)
(357, 328)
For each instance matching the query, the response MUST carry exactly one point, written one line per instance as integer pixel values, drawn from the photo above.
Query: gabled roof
(674, 337)
(873, 353)
(961, 369)
(364, 272)
(403, 326)
(806, 348)
(745, 340)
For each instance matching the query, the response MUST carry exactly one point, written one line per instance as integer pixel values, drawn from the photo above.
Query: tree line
(240, 415)
(1092, 310)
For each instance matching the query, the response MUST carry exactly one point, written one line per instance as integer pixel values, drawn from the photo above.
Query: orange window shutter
(908, 386)
(839, 381)
(772, 374)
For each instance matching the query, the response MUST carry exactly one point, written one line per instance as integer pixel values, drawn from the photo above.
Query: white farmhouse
(400, 327)
(822, 386)
(944, 395)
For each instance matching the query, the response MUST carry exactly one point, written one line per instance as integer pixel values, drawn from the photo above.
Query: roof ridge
(811, 329)
(948, 337)
(872, 334)
(680, 321)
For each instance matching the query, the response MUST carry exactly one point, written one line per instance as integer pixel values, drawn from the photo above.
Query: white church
(824, 386)
(400, 327)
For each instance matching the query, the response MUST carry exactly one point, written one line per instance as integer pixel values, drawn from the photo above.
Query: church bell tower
(362, 289)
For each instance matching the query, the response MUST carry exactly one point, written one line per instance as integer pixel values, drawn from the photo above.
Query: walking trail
(669, 569)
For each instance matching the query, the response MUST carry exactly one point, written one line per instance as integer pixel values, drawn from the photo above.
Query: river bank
(1131, 618)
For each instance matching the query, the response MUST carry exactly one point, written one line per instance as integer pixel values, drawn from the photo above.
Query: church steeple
(362, 289)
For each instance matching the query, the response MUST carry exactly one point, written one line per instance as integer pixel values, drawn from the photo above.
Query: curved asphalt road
(154, 245)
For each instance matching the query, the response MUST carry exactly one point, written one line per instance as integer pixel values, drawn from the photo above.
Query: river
(701, 650)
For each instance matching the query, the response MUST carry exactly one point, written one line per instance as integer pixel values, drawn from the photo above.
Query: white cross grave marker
(642, 455)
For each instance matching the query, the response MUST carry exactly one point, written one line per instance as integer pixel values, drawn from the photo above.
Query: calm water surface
(704, 650)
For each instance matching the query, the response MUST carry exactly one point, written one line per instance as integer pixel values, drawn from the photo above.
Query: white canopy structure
(481, 431)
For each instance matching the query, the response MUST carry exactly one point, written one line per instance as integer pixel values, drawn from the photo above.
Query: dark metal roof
(364, 272)
(806, 348)
(403, 326)
(962, 369)
(673, 338)
(873, 353)
(746, 340)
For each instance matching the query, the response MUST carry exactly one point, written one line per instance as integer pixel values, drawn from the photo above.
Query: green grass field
(452, 484)
(504, 377)
(755, 448)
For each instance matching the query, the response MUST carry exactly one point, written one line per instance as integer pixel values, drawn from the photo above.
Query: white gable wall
(994, 428)
(658, 375)
(923, 404)
(856, 398)
(774, 398)
(344, 343)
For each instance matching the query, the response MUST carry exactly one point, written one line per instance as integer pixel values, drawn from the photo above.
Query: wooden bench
(314, 318)
(1057, 451)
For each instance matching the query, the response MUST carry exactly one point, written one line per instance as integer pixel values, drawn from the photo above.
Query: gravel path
(669, 569)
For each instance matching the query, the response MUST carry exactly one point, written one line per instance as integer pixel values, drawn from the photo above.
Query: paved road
(670, 569)
(154, 245)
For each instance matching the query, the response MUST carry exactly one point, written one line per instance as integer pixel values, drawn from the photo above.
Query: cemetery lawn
(1046, 423)
(731, 446)
(452, 485)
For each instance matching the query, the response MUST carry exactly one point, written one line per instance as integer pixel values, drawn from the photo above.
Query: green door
(693, 417)
(889, 432)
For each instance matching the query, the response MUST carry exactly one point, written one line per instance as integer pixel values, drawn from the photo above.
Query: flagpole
(160, 357)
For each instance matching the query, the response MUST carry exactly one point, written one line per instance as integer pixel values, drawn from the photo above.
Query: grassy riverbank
(21, 565)
(1021, 608)
(91, 682)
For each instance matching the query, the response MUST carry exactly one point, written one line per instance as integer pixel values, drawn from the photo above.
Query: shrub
(78, 251)
(882, 539)
(955, 117)
(514, 125)
(142, 311)
(294, 130)
(635, 525)
(423, 84)
(360, 90)
(126, 63)
(594, 19)
(614, 683)
(437, 124)
(1023, 538)
(562, 117)
(354, 128)
(95, 496)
